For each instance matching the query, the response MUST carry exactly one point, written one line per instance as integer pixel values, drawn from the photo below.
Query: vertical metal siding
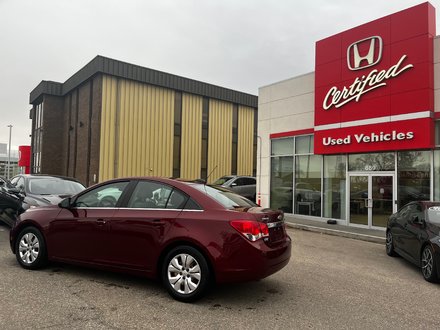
(108, 116)
(245, 148)
(137, 130)
(220, 139)
(191, 152)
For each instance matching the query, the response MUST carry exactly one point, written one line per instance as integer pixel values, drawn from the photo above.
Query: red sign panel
(377, 80)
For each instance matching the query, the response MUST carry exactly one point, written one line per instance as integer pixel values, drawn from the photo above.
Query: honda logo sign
(372, 55)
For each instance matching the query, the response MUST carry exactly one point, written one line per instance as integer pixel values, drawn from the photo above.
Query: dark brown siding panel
(72, 133)
(51, 152)
(234, 139)
(177, 146)
(82, 129)
(66, 142)
(95, 133)
(205, 134)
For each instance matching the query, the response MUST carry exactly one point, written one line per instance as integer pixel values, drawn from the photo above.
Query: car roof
(187, 186)
(237, 176)
(47, 176)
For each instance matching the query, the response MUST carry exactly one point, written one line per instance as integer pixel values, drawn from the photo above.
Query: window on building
(281, 183)
(334, 186)
(437, 133)
(37, 137)
(414, 176)
(308, 184)
(384, 161)
(436, 196)
(281, 178)
(295, 176)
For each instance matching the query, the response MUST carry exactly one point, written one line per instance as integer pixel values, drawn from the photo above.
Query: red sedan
(188, 234)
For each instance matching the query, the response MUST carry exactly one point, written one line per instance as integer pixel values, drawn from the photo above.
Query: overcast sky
(238, 44)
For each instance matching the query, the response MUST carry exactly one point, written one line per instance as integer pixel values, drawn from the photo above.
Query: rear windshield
(54, 186)
(225, 197)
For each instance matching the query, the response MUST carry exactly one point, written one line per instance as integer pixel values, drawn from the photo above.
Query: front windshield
(225, 197)
(433, 215)
(54, 186)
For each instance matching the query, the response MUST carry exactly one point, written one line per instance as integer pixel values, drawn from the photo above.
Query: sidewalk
(370, 235)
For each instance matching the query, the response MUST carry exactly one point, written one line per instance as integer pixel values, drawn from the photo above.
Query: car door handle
(101, 222)
(158, 222)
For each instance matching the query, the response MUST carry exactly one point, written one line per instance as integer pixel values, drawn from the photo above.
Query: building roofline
(105, 65)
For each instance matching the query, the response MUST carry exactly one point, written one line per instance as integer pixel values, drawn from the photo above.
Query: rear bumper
(254, 261)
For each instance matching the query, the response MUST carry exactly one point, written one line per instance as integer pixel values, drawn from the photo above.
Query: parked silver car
(242, 185)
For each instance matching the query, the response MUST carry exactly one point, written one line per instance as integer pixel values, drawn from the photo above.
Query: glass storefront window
(308, 185)
(371, 162)
(282, 147)
(304, 145)
(437, 132)
(281, 183)
(37, 139)
(414, 176)
(334, 186)
(436, 175)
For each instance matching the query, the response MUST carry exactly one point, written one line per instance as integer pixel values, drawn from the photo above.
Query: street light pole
(9, 151)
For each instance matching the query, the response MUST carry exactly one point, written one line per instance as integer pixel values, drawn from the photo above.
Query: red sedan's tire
(30, 249)
(185, 274)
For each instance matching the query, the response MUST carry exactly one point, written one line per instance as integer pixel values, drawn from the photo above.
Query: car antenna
(207, 177)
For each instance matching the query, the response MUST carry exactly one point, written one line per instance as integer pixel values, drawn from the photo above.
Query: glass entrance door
(371, 199)
(359, 200)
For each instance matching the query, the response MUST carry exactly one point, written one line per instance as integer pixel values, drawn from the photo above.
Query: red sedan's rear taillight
(250, 229)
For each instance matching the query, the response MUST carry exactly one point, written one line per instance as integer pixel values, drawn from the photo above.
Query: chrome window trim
(135, 208)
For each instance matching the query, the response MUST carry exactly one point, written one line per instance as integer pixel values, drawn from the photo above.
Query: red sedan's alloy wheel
(31, 249)
(185, 273)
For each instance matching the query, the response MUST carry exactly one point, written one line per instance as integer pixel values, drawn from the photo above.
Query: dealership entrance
(371, 198)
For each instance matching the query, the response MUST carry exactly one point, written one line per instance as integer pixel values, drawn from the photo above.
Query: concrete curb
(335, 232)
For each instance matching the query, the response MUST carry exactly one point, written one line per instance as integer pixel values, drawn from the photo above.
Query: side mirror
(416, 220)
(66, 203)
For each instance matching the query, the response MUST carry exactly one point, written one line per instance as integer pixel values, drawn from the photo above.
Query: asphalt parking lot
(331, 283)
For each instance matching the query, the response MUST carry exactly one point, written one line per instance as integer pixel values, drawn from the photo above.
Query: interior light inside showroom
(357, 138)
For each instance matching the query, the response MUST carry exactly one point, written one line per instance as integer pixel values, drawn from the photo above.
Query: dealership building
(114, 119)
(359, 137)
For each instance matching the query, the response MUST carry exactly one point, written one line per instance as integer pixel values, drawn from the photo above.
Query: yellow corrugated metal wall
(191, 145)
(219, 139)
(245, 145)
(108, 138)
(137, 129)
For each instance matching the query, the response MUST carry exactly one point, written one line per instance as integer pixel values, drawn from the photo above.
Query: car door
(138, 229)
(80, 231)
(398, 227)
(415, 232)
